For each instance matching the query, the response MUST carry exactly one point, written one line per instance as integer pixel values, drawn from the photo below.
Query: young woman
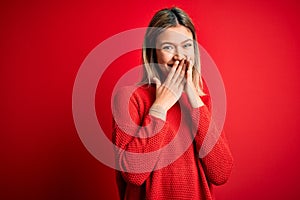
(171, 105)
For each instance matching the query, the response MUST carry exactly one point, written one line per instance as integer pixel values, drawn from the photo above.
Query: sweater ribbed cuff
(158, 111)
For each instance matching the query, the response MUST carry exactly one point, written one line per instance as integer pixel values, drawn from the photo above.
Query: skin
(175, 55)
(175, 43)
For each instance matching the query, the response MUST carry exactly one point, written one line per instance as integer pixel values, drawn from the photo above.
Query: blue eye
(187, 45)
(167, 47)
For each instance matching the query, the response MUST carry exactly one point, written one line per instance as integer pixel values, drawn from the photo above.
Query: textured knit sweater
(187, 176)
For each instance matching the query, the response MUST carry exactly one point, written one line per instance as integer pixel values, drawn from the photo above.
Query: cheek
(162, 57)
(191, 53)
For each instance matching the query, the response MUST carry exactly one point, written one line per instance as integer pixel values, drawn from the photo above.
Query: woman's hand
(190, 88)
(168, 93)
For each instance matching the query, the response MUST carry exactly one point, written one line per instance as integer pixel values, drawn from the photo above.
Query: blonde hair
(162, 20)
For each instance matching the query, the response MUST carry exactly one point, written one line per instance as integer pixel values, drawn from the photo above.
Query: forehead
(175, 34)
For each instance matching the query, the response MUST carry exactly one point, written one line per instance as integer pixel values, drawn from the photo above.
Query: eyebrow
(166, 42)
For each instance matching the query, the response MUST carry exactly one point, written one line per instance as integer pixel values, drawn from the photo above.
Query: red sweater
(188, 177)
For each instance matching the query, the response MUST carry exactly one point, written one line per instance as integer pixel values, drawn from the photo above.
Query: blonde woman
(171, 101)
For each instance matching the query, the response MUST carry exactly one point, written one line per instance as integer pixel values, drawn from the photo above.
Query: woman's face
(175, 43)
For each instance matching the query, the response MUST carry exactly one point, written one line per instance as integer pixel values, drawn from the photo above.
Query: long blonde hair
(163, 19)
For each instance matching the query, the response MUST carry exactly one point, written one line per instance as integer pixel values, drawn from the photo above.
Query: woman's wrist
(193, 96)
(196, 102)
(158, 111)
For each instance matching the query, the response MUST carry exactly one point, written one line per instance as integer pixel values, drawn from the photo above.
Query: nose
(179, 55)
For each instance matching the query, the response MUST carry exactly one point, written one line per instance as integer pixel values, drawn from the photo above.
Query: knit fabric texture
(135, 131)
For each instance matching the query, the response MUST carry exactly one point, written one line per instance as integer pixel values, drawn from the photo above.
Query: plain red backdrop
(255, 44)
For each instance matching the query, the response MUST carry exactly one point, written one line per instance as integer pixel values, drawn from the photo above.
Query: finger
(189, 69)
(182, 74)
(190, 63)
(184, 69)
(178, 70)
(182, 82)
(172, 71)
(157, 82)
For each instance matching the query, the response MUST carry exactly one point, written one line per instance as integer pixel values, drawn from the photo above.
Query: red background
(255, 44)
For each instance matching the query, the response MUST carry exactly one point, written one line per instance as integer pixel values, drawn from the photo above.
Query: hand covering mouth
(172, 64)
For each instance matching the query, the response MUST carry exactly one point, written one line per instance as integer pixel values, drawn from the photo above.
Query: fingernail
(176, 62)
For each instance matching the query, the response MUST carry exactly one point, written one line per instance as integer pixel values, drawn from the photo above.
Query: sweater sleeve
(218, 162)
(136, 133)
